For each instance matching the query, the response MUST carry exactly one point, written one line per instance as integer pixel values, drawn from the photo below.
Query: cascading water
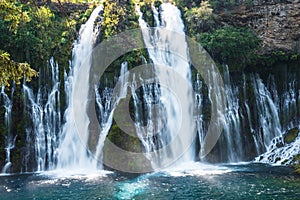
(268, 118)
(73, 151)
(9, 140)
(290, 105)
(259, 117)
(280, 151)
(233, 126)
(245, 128)
(106, 110)
(45, 121)
(199, 109)
(163, 52)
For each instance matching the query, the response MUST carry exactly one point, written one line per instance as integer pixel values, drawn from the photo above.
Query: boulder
(290, 135)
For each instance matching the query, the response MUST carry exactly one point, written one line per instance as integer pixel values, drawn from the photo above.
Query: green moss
(294, 57)
(291, 135)
(296, 161)
(128, 144)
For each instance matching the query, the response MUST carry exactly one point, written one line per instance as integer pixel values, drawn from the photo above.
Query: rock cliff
(276, 22)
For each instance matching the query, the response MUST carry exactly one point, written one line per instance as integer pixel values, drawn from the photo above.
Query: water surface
(243, 181)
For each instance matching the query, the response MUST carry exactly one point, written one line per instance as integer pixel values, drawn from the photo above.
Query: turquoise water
(248, 181)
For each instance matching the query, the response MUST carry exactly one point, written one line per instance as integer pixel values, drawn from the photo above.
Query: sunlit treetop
(13, 71)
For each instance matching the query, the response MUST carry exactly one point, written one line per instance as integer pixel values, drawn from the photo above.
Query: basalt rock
(276, 22)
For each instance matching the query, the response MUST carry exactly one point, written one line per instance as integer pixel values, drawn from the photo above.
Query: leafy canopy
(13, 71)
(11, 13)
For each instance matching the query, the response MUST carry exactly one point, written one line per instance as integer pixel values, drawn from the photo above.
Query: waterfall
(278, 151)
(268, 118)
(9, 140)
(200, 123)
(176, 111)
(290, 105)
(73, 147)
(167, 113)
(106, 110)
(45, 120)
(233, 117)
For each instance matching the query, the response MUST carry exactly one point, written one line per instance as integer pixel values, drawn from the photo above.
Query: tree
(9, 69)
(14, 71)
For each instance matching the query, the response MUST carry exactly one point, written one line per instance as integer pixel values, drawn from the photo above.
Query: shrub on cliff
(199, 19)
(230, 45)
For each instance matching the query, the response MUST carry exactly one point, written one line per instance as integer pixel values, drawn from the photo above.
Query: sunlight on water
(132, 188)
(196, 169)
(76, 174)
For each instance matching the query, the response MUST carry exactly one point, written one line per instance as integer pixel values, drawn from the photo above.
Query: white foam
(196, 169)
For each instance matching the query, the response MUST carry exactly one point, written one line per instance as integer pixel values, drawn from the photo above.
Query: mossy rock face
(298, 170)
(291, 135)
(296, 159)
(296, 163)
(123, 152)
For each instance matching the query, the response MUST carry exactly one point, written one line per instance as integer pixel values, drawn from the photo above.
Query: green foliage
(42, 33)
(13, 71)
(73, 1)
(147, 14)
(221, 4)
(12, 15)
(117, 17)
(187, 3)
(112, 14)
(274, 57)
(233, 46)
(198, 17)
(294, 57)
(120, 16)
(199, 13)
(249, 3)
(11, 11)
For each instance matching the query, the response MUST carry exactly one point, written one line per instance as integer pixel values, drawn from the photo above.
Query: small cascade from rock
(9, 138)
(290, 106)
(233, 127)
(106, 111)
(45, 121)
(268, 122)
(284, 147)
(198, 116)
